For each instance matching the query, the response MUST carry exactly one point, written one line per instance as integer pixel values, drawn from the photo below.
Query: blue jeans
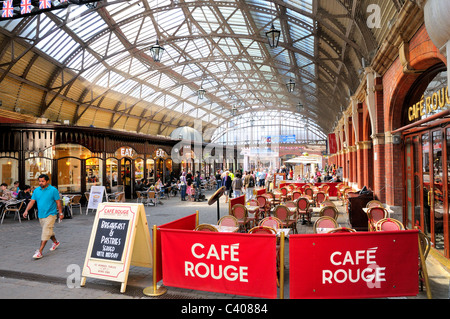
(219, 184)
(183, 192)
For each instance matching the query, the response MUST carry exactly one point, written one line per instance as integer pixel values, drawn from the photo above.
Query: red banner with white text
(230, 263)
(187, 223)
(354, 265)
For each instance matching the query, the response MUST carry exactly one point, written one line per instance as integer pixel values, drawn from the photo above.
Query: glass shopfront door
(427, 168)
(126, 174)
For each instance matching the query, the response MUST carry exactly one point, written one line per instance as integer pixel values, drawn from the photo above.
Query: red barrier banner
(186, 223)
(332, 144)
(230, 263)
(261, 191)
(234, 201)
(354, 265)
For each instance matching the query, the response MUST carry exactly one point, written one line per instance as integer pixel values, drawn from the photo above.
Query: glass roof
(219, 46)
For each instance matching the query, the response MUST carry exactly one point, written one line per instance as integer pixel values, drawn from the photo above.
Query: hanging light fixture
(290, 86)
(273, 36)
(157, 51)
(201, 93)
(300, 107)
(234, 110)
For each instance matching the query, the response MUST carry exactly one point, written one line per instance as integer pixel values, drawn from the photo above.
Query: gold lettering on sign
(430, 104)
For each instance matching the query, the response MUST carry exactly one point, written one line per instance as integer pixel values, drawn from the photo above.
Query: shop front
(426, 137)
(77, 158)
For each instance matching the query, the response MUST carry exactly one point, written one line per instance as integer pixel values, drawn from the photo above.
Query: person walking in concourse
(48, 203)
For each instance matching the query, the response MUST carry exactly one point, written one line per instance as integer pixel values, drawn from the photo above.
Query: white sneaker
(54, 246)
(37, 255)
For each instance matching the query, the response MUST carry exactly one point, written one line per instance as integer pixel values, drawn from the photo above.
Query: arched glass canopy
(92, 65)
(273, 127)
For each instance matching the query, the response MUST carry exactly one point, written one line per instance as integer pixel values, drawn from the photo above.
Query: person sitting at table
(159, 187)
(15, 189)
(336, 179)
(25, 194)
(5, 193)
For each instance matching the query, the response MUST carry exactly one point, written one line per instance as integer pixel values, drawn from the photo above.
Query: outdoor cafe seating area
(284, 209)
(291, 207)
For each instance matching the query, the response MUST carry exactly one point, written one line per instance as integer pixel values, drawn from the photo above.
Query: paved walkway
(53, 276)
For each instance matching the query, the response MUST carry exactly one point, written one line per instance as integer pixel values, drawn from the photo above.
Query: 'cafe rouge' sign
(430, 104)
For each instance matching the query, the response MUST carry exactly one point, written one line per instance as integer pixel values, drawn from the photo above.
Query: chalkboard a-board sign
(120, 237)
(110, 239)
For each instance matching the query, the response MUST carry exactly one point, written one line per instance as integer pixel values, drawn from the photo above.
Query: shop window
(94, 172)
(9, 171)
(427, 96)
(36, 166)
(150, 163)
(138, 169)
(112, 177)
(69, 175)
(71, 150)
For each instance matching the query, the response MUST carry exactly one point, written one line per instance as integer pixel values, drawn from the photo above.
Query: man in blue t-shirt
(49, 203)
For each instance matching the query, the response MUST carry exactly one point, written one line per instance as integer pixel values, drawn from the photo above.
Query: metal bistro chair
(282, 213)
(325, 222)
(296, 195)
(87, 194)
(151, 198)
(263, 205)
(141, 197)
(117, 197)
(293, 210)
(341, 230)
(389, 224)
(272, 222)
(240, 212)
(13, 206)
(374, 203)
(330, 211)
(320, 198)
(262, 230)
(228, 220)
(206, 227)
(375, 214)
(309, 192)
(304, 210)
(425, 242)
(75, 201)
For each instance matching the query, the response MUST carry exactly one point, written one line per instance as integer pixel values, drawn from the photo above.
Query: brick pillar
(379, 166)
(353, 166)
(368, 176)
(360, 165)
(394, 173)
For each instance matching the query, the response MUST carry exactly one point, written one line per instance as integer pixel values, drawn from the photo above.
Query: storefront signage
(126, 152)
(430, 104)
(120, 237)
(160, 153)
(354, 265)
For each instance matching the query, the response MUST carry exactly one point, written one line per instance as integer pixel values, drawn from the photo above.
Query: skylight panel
(88, 25)
(92, 74)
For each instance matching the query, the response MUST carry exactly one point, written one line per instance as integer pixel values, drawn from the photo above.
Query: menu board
(110, 239)
(120, 237)
(96, 196)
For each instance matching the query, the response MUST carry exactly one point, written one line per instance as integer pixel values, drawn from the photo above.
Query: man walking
(49, 203)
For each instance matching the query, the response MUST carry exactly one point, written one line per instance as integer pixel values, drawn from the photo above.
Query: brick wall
(396, 85)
